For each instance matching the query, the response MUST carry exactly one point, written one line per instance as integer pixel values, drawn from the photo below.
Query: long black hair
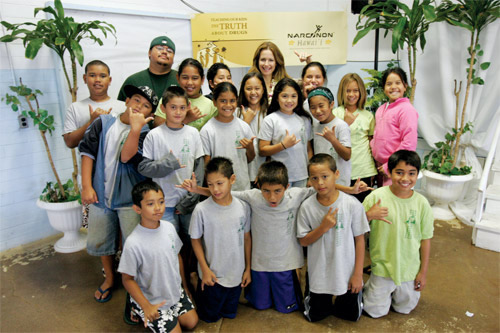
(280, 86)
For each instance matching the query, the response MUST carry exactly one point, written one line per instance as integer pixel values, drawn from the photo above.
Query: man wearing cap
(111, 149)
(160, 75)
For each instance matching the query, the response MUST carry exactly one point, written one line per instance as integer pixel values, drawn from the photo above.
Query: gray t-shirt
(151, 257)
(185, 144)
(330, 260)
(78, 113)
(322, 145)
(222, 229)
(221, 139)
(275, 247)
(295, 158)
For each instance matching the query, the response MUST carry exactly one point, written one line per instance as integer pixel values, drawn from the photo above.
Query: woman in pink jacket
(396, 122)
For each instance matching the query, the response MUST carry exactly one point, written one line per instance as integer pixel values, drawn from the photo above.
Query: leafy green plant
(473, 16)
(63, 35)
(375, 89)
(441, 159)
(408, 26)
(45, 123)
(52, 192)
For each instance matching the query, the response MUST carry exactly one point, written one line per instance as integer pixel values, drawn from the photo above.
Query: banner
(232, 38)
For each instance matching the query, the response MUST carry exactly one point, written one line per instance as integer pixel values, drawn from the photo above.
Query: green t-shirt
(362, 164)
(395, 248)
(156, 82)
(205, 105)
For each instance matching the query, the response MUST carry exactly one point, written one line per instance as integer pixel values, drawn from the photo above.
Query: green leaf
(77, 50)
(429, 13)
(59, 8)
(60, 41)
(397, 32)
(480, 53)
(476, 80)
(33, 47)
(15, 107)
(7, 39)
(361, 34)
(478, 47)
(484, 66)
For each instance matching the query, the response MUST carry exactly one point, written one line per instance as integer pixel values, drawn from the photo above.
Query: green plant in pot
(60, 200)
(63, 35)
(408, 27)
(443, 161)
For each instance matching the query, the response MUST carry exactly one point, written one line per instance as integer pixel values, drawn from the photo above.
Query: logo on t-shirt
(289, 222)
(410, 225)
(185, 152)
(238, 139)
(339, 230)
(241, 231)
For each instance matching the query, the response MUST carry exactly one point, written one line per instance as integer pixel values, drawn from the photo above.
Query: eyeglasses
(162, 48)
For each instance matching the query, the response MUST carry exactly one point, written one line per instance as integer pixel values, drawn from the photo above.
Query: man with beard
(160, 75)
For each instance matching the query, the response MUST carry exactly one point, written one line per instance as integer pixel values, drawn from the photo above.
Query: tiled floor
(45, 291)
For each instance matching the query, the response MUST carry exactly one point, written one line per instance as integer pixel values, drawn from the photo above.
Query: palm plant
(408, 26)
(475, 16)
(63, 35)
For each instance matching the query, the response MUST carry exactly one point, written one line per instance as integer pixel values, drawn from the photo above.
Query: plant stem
(473, 44)
(47, 148)
(73, 153)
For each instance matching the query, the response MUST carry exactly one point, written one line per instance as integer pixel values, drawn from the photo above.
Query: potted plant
(61, 201)
(445, 176)
(408, 26)
(63, 35)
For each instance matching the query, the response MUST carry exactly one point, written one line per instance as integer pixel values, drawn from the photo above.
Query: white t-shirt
(78, 113)
(330, 260)
(185, 144)
(255, 125)
(115, 138)
(275, 247)
(221, 139)
(295, 158)
(223, 230)
(322, 145)
(151, 257)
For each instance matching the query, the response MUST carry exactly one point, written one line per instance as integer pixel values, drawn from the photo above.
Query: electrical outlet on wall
(23, 121)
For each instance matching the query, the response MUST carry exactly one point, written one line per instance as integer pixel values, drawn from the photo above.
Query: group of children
(250, 231)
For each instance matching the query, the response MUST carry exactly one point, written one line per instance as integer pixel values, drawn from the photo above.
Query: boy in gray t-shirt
(332, 226)
(151, 267)
(220, 235)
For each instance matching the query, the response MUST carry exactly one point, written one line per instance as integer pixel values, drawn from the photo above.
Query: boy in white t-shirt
(332, 226)
(152, 269)
(171, 153)
(81, 114)
(220, 235)
(332, 134)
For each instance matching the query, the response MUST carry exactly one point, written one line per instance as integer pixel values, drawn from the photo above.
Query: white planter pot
(67, 218)
(443, 190)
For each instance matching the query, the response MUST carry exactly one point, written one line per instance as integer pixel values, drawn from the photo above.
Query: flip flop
(107, 298)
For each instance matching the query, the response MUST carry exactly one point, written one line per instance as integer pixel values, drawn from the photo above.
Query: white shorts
(381, 292)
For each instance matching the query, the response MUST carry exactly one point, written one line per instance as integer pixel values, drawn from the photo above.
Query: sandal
(129, 316)
(107, 298)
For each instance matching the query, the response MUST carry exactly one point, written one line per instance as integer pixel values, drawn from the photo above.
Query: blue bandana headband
(321, 91)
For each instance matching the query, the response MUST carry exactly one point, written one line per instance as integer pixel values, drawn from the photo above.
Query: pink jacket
(395, 129)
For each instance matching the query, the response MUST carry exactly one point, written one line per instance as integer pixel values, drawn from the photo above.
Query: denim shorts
(103, 228)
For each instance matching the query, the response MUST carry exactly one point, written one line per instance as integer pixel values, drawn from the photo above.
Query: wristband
(283, 145)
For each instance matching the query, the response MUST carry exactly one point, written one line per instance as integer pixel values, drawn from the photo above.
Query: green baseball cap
(162, 40)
